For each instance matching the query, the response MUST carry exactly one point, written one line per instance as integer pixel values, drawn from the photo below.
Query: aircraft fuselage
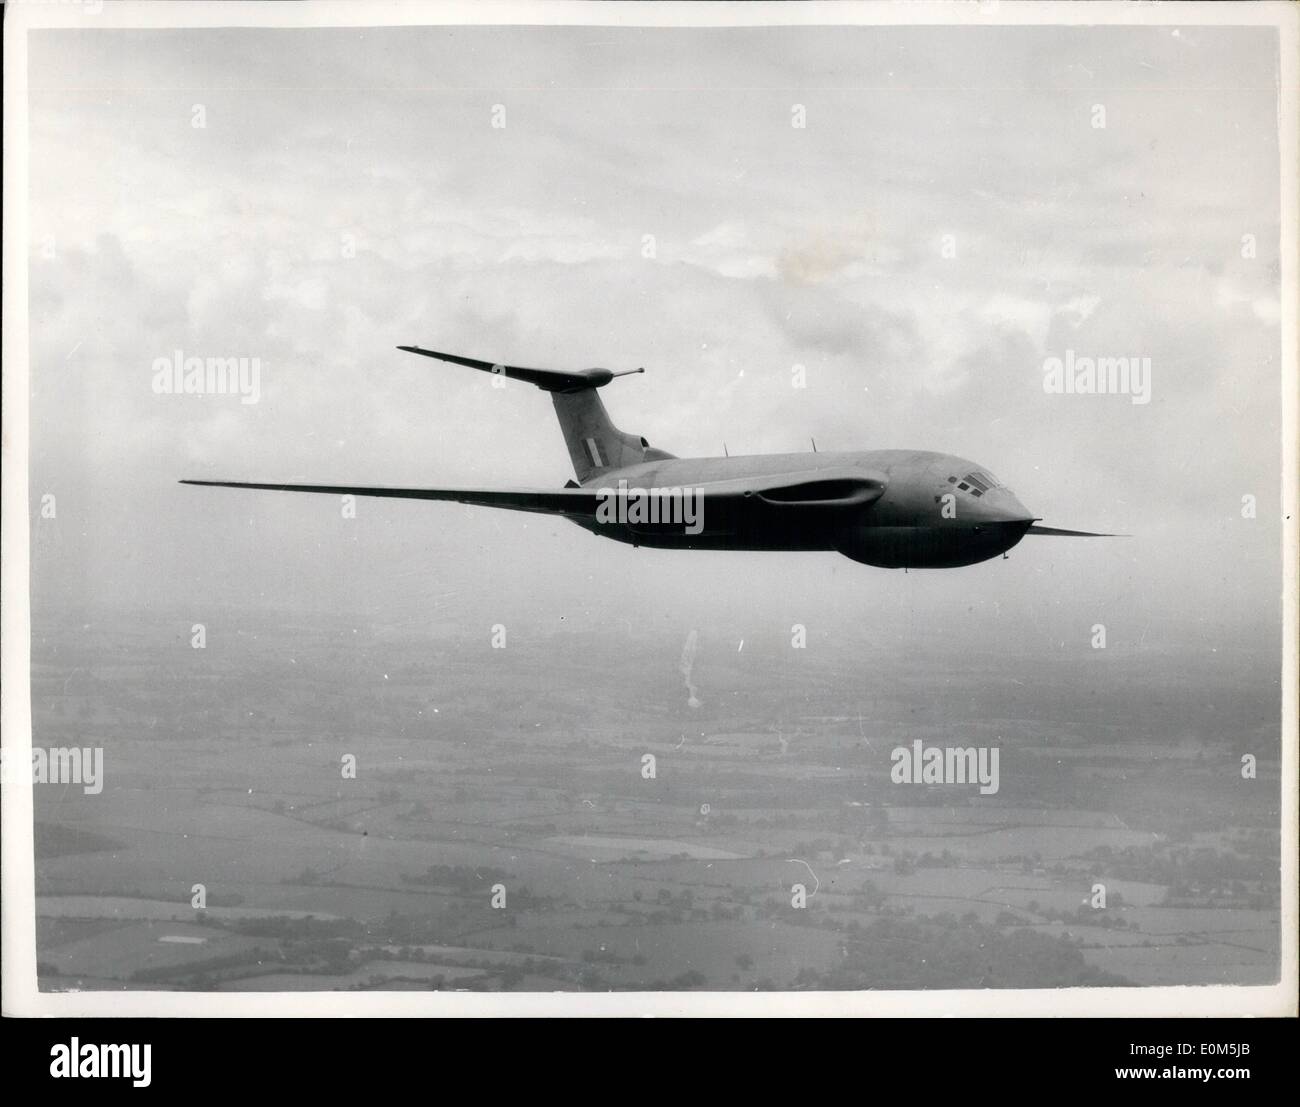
(899, 509)
(936, 511)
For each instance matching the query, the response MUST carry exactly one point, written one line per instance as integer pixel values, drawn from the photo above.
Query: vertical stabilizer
(595, 444)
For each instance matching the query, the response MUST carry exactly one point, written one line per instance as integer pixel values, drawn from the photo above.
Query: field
(330, 805)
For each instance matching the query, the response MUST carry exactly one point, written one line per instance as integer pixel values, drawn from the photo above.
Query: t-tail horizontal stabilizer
(548, 380)
(595, 445)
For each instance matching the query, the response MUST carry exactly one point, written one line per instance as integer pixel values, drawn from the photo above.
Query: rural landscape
(385, 742)
(323, 804)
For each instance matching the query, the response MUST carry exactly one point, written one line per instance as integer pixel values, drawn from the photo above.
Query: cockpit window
(976, 483)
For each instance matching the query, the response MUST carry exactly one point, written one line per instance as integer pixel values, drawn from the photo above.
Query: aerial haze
(895, 272)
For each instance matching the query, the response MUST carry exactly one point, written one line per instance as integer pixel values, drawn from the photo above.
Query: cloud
(319, 232)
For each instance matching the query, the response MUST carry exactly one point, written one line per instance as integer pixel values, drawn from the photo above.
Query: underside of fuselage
(887, 547)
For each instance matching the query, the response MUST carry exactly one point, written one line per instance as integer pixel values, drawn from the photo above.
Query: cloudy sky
(348, 192)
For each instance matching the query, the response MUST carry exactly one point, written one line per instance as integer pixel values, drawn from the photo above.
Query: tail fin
(595, 444)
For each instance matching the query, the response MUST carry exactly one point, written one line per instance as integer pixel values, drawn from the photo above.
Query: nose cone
(999, 505)
(1001, 521)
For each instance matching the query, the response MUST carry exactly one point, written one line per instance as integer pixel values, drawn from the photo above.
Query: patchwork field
(311, 809)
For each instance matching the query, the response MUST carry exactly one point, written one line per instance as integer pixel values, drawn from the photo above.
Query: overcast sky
(773, 246)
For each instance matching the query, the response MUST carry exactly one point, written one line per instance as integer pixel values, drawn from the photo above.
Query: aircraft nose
(1001, 506)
